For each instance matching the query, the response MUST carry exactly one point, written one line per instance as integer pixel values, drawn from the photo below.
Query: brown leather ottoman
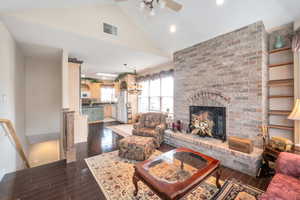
(136, 147)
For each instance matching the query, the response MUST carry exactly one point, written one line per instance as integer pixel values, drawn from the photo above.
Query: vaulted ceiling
(143, 41)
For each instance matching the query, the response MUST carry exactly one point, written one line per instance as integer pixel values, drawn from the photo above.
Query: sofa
(285, 185)
(151, 125)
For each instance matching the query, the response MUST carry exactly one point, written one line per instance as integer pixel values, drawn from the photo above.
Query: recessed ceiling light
(172, 28)
(220, 2)
(105, 74)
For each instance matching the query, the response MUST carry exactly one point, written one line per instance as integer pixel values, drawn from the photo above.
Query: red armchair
(285, 185)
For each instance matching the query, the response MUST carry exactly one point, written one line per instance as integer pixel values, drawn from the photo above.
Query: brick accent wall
(229, 70)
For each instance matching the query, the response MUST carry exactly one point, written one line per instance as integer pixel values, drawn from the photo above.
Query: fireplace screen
(208, 121)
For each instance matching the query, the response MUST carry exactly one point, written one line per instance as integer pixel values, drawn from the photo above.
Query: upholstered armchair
(285, 185)
(151, 125)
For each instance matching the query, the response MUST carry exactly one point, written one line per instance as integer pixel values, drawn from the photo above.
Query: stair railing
(8, 126)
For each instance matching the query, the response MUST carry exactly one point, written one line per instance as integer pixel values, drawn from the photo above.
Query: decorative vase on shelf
(279, 43)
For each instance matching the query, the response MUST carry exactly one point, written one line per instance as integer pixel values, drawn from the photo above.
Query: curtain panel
(156, 75)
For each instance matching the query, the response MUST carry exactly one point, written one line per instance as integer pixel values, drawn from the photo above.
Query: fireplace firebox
(207, 121)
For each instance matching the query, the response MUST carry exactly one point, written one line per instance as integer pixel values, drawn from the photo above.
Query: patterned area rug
(124, 130)
(233, 189)
(114, 176)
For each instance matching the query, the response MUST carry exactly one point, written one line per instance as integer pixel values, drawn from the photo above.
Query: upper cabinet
(90, 89)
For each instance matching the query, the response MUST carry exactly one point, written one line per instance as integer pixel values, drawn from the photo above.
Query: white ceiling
(145, 41)
(15, 5)
(78, 30)
(201, 20)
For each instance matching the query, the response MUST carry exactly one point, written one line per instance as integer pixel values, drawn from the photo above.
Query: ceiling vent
(110, 29)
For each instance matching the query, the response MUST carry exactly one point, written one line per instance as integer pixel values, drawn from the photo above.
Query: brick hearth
(247, 163)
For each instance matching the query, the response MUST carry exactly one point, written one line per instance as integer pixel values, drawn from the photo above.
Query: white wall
(65, 78)
(43, 96)
(12, 98)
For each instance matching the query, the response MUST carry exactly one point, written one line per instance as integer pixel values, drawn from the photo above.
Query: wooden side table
(269, 157)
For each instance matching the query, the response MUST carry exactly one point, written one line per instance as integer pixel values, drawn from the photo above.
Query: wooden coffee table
(174, 174)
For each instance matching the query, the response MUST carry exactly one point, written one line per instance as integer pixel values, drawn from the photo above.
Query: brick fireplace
(228, 71)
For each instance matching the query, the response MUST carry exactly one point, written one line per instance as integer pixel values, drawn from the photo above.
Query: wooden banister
(12, 132)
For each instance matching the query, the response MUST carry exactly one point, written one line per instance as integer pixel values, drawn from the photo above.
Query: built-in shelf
(282, 67)
(279, 112)
(281, 64)
(288, 128)
(280, 96)
(280, 50)
(282, 82)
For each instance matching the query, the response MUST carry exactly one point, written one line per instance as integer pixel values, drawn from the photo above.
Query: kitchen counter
(96, 104)
(95, 113)
(99, 111)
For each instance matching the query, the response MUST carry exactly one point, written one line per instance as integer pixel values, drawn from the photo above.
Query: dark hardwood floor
(74, 181)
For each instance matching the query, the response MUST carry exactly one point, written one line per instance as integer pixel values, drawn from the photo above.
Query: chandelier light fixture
(135, 89)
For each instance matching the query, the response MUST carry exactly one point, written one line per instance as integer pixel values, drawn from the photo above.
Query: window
(157, 95)
(143, 103)
(154, 91)
(107, 94)
(167, 90)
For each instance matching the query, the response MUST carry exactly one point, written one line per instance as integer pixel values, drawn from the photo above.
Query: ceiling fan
(152, 4)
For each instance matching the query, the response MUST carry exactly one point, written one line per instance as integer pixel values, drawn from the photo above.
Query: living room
(197, 109)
